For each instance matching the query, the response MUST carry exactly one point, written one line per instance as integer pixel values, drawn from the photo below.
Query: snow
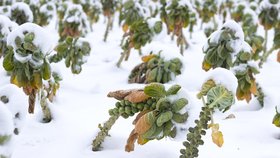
(223, 77)
(23, 7)
(6, 122)
(6, 26)
(232, 25)
(39, 40)
(17, 104)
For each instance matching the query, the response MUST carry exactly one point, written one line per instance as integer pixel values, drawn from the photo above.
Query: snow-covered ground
(82, 103)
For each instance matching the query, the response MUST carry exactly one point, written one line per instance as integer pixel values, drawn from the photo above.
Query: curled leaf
(137, 96)
(173, 89)
(130, 141)
(219, 97)
(120, 94)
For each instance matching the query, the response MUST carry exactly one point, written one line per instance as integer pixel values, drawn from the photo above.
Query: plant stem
(96, 143)
(31, 101)
(45, 107)
(265, 55)
(107, 28)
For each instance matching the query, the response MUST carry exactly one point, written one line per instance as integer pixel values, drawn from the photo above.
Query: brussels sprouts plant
(75, 52)
(176, 16)
(218, 97)
(108, 8)
(155, 69)
(140, 33)
(221, 51)
(6, 26)
(157, 114)
(27, 61)
(268, 18)
(21, 13)
(74, 22)
(46, 14)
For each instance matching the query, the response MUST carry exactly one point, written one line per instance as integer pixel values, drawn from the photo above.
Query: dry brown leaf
(147, 58)
(142, 125)
(120, 94)
(217, 138)
(139, 116)
(278, 57)
(137, 96)
(130, 141)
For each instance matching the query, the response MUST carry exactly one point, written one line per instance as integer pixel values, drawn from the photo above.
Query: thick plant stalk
(31, 100)
(45, 108)
(96, 143)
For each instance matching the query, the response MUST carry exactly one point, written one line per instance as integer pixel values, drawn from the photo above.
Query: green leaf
(173, 89)
(219, 97)
(155, 90)
(164, 117)
(179, 104)
(8, 61)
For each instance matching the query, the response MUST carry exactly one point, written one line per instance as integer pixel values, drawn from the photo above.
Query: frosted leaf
(223, 77)
(39, 39)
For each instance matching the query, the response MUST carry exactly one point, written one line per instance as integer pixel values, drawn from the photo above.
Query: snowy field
(82, 103)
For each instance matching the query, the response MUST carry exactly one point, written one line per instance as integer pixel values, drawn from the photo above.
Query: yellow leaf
(253, 88)
(147, 58)
(217, 138)
(142, 140)
(125, 27)
(206, 66)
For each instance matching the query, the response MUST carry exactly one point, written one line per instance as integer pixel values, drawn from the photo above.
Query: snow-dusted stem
(96, 143)
(265, 41)
(47, 117)
(107, 28)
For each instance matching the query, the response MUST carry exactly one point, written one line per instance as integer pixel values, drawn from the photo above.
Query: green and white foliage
(46, 13)
(6, 132)
(131, 12)
(226, 48)
(21, 13)
(155, 69)
(27, 59)
(6, 2)
(92, 8)
(269, 13)
(6, 26)
(160, 113)
(74, 22)
(75, 52)
(206, 9)
(176, 15)
(140, 33)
